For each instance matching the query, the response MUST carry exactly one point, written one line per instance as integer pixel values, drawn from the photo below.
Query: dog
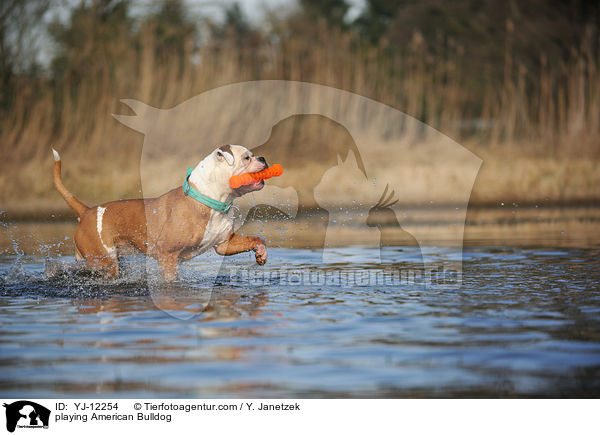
(171, 228)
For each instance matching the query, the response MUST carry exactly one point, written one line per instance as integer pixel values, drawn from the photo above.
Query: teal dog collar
(188, 190)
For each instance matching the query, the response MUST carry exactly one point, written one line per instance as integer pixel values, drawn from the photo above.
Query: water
(524, 323)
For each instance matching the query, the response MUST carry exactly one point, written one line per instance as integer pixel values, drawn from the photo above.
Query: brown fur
(78, 206)
(226, 149)
(169, 228)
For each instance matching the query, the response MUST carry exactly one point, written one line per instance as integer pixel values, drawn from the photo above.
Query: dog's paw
(260, 252)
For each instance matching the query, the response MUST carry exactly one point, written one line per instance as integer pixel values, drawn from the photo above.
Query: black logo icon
(26, 414)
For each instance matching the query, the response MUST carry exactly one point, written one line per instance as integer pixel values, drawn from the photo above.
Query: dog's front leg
(236, 244)
(168, 266)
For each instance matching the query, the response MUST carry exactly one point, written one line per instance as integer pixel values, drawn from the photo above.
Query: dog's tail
(77, 206)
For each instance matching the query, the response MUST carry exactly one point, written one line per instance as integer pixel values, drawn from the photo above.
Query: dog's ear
(225, 155)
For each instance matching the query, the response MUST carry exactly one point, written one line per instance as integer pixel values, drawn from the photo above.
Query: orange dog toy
(251, 177)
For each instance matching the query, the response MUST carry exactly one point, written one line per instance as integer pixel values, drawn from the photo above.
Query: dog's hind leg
(99, 253)
(97, 257)
(107, 265)
(98, 260)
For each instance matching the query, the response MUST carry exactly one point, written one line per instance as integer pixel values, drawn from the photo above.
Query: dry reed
(553, 114)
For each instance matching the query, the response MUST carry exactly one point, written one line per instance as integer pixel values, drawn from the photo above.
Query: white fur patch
(219, 226)
(99, 216)
(56, 155)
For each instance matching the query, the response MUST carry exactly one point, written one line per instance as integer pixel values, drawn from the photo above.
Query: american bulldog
(174, 227)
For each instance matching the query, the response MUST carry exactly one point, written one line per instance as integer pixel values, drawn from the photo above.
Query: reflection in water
(526, 322)
(225, 305)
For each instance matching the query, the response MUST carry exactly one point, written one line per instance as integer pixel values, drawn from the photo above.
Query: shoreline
(519, 227)
(28, 212)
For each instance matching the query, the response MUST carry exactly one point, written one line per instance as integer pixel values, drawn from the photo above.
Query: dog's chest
(218, 228)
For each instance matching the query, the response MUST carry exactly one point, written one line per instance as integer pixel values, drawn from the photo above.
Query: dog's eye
(247, 158)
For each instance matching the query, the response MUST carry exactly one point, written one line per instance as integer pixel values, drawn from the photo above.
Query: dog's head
(225, 162)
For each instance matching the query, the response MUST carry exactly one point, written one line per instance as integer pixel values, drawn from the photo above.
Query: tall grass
(554, 112)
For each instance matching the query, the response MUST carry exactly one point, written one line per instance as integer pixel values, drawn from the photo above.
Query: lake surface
(524, 323)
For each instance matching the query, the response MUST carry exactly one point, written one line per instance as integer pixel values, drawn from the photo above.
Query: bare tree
(19, 27)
